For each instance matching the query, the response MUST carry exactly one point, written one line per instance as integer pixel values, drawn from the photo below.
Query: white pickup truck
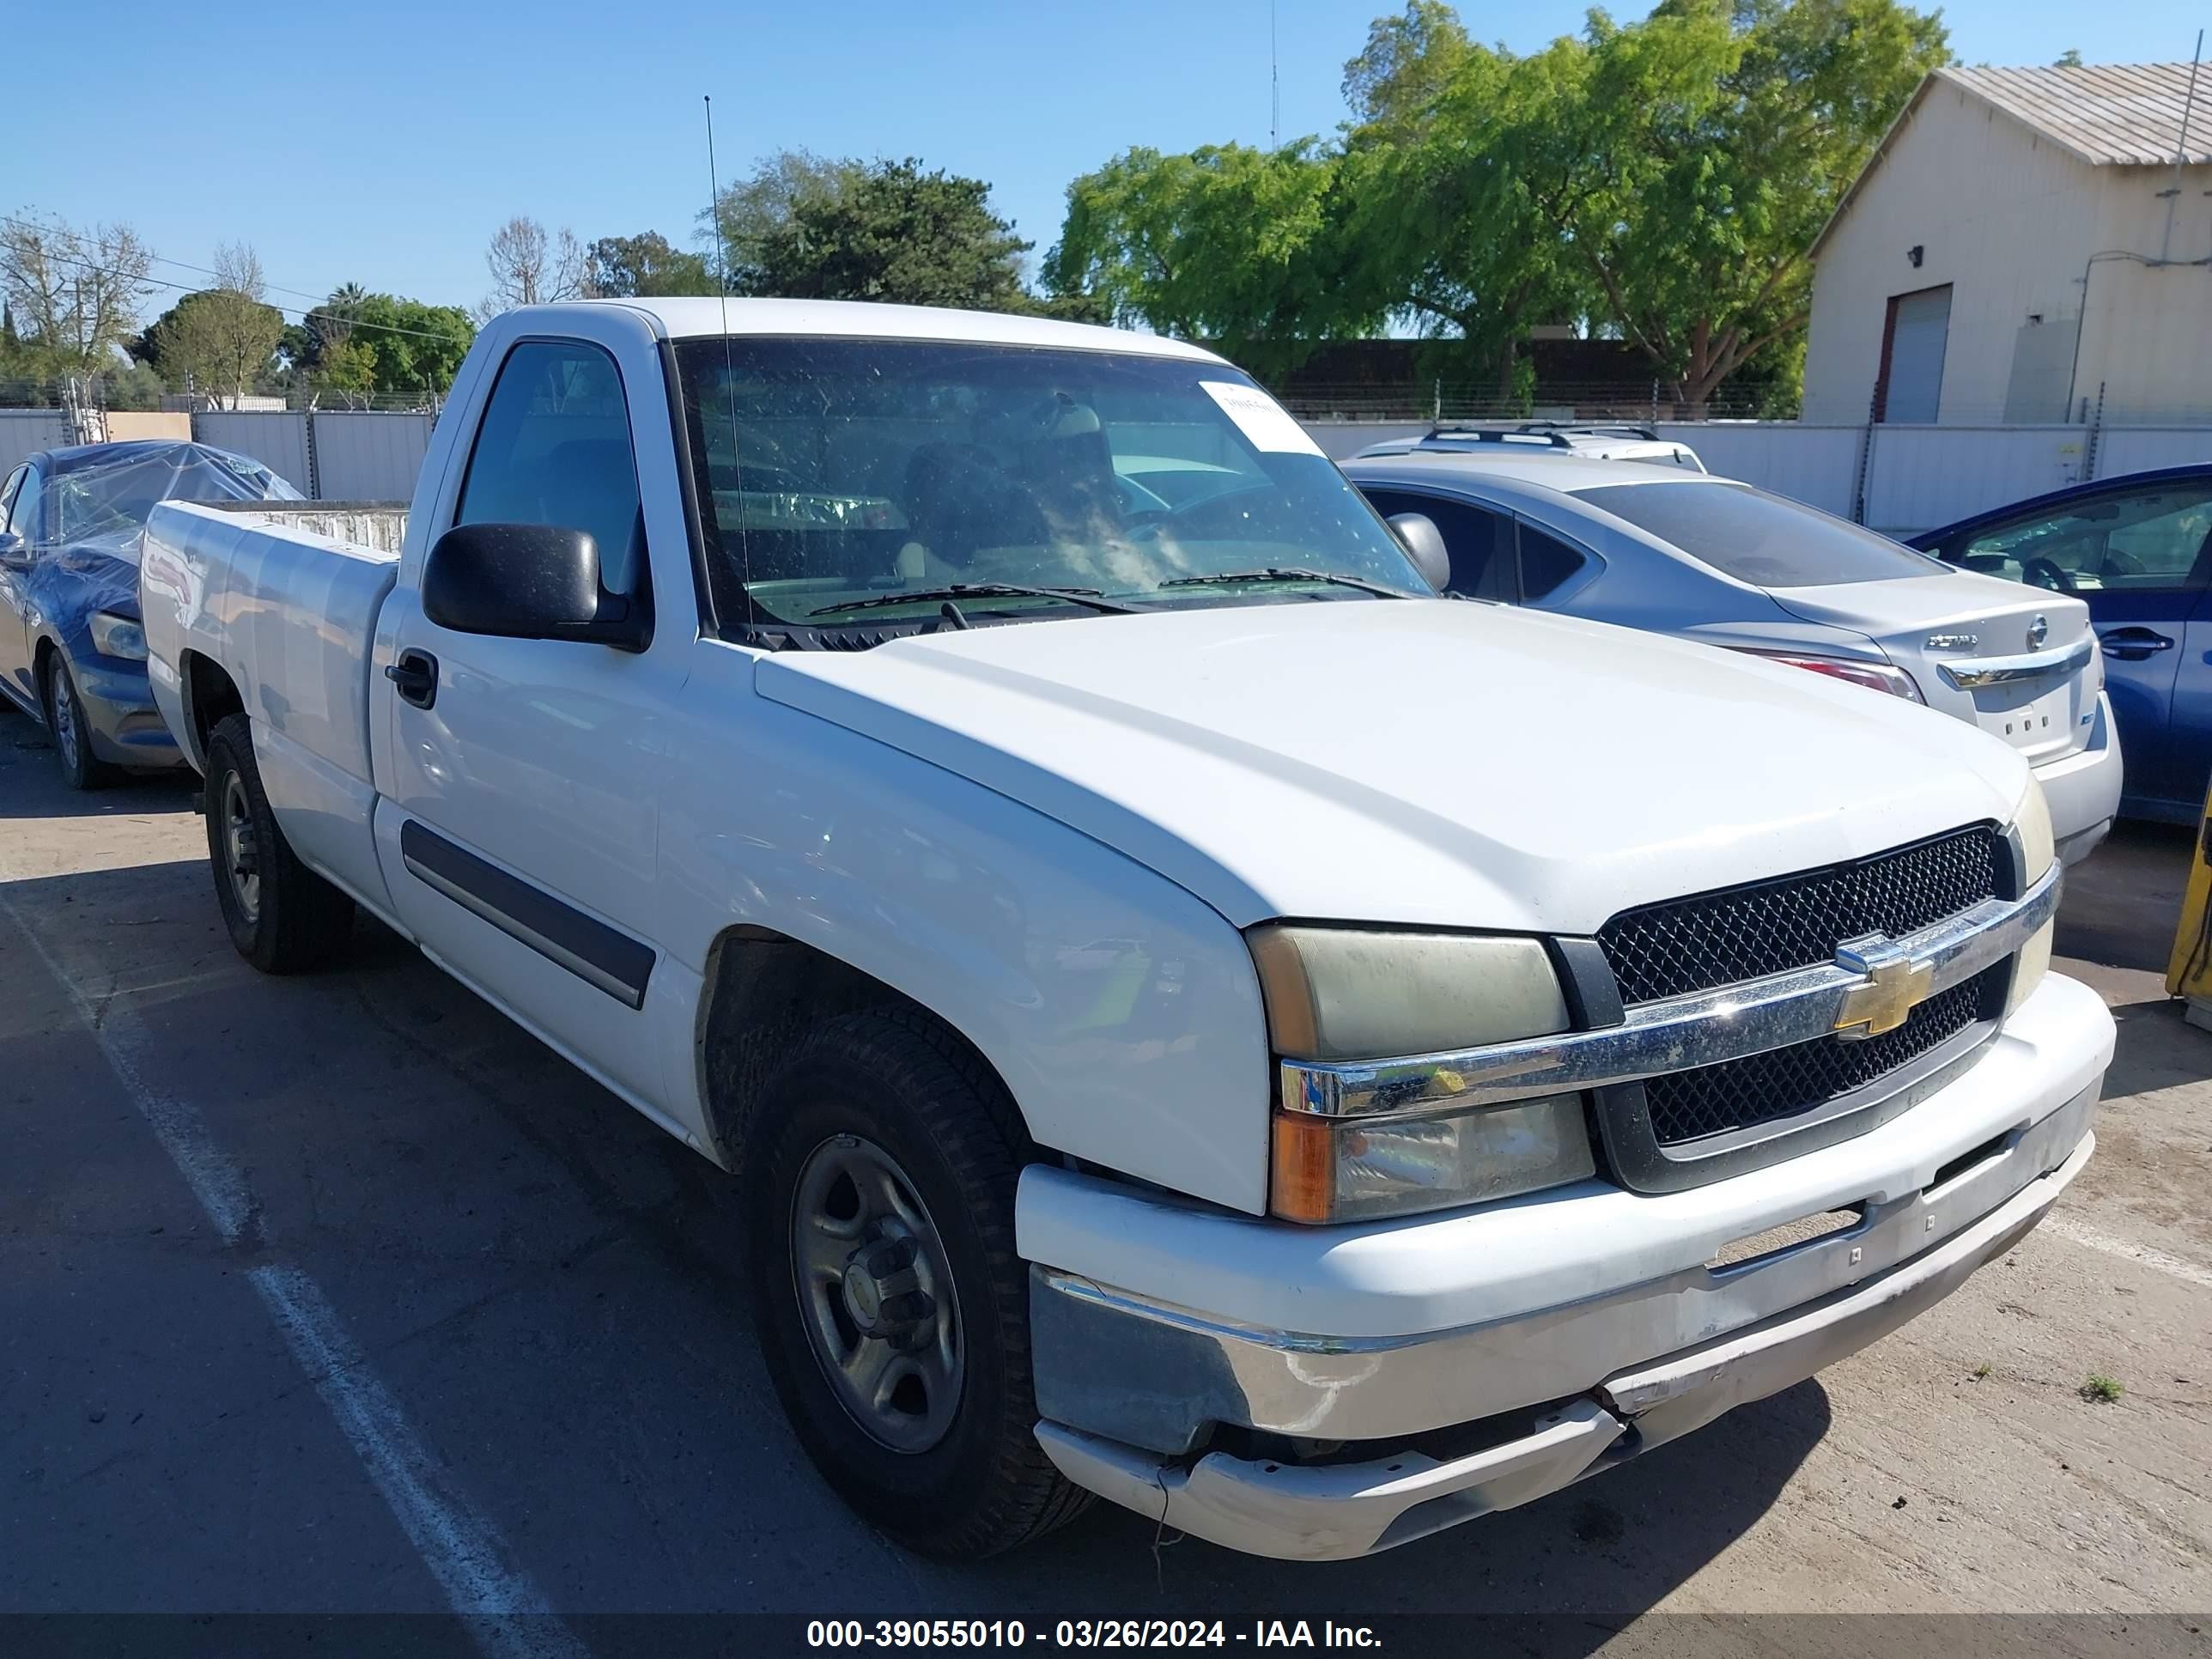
(1195, 1018)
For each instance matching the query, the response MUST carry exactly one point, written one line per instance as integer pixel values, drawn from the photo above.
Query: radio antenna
(729, 370)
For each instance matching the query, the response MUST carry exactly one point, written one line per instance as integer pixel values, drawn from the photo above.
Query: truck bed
(276, 602)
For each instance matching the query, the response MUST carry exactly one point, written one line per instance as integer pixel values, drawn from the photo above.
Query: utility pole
(2180, 156)
(1275, 84)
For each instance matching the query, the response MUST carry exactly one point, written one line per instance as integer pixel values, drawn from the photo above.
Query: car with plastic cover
(72, 655)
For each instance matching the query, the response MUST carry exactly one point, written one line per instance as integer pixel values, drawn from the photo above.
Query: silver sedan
(1712, 560)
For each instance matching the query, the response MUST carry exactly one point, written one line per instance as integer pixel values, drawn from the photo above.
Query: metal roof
(2103, 114)
(2106, 114)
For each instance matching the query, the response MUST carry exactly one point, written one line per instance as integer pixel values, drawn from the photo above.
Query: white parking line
(2081, 1232)
(505, 1613)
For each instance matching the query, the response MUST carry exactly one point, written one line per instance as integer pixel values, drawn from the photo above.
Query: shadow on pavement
(2124, 901)
(29, 786)
(551, 1288)
(1608, 1550)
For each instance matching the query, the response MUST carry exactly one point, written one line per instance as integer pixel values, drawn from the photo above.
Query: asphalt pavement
(340, 1294)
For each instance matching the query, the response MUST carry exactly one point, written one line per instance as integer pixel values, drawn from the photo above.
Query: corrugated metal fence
(368, 457)
(1897, 479)
(278, 439)
(27, 431)
(1900, 479)
(334, 455)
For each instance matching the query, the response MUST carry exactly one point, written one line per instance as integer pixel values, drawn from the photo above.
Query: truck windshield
(840, 476)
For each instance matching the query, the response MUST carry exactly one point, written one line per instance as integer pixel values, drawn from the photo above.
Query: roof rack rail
(1560, 434)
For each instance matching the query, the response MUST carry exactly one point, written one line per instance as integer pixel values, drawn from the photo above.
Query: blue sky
(383, 143)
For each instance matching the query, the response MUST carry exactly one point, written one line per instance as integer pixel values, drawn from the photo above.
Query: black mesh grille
(1739, 1093)
(1794, 921)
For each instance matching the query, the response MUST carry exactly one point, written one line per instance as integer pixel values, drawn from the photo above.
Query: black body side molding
(604, 957)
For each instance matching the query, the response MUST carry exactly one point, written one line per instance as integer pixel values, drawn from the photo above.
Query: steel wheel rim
(242, 857)
(876, 1294)
(65, 717)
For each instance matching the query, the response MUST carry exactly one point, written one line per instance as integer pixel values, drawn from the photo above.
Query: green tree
(417, 349)
(1458, 192)
(221, 341)
(1408, 63)
(622, 267)
(72, 294)
(1663, 179)
(2069, 58)
(1720, 134)
(1228, 243)
(748, 212)
(892, 232)
(129, 386)
(347, 368)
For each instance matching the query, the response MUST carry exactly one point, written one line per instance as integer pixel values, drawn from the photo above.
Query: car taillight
(1874, 676)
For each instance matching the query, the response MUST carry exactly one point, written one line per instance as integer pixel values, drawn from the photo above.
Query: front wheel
(282, 917)
(892, 1309)
(71, 732)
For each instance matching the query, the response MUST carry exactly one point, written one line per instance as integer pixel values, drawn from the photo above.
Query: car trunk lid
(2017, 661)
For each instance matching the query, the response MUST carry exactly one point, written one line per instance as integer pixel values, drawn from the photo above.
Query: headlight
(1874, 676)
(1357, 1168)
(2031, 822)
(1337, 996)
(1346, 994)
(117, 636)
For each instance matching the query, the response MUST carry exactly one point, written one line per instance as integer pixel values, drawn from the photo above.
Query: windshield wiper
(1083, 596)
(1288, 573)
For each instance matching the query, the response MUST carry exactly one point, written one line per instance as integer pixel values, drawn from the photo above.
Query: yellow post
(2188, 970)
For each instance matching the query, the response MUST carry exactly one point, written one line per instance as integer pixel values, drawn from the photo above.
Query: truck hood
(1420, 763)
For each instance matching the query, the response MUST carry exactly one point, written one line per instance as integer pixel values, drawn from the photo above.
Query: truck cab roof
(709, 318)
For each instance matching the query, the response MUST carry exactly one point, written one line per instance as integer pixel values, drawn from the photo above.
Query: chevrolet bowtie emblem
(1895, 985)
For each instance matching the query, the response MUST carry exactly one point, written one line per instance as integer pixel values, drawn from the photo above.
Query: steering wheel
(2042, 573)
(759, 475)
(1151, 523)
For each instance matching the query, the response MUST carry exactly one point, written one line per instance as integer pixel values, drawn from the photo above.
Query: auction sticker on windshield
(1260, 418)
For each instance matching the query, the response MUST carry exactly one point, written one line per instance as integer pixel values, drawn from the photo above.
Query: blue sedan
(2138, 550)
(71, 651)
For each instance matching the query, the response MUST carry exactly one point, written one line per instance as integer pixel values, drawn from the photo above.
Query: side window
(7, 494)
(1546, 563)
(2133, 539)
(1474, 536)
(22, 508)
(555, 449)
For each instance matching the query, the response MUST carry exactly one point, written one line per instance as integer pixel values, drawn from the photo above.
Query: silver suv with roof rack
(1610, 441)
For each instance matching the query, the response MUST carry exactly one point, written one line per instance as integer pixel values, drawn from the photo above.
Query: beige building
(2022, 240)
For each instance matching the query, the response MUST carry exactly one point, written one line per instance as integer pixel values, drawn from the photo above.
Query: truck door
(519, 830)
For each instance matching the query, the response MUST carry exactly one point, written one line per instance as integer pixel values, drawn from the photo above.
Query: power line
(164, 259)
(301, 311)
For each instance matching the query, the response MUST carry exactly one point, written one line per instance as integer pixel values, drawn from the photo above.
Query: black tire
(900, 1082)
(66, 727)
(295, 920)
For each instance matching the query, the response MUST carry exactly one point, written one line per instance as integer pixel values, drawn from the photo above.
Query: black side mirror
(1422, 539)
(13, 550)
(527, 581)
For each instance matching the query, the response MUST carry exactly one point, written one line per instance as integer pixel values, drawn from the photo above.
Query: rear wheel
(72, 733)
(282, 917)
(893, 1310)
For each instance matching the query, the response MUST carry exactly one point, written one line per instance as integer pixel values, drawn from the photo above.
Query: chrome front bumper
(1327, 1512)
